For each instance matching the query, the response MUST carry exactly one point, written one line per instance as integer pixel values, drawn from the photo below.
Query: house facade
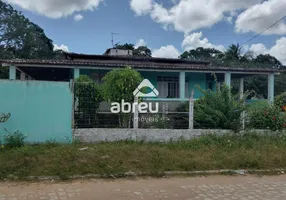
(40, 94)
(174, 78)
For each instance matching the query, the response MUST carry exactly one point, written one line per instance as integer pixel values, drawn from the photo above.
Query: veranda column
(271, 88)
(12, 72)
(227, 79)
(182, 85)
(241, 88)
(76, 73)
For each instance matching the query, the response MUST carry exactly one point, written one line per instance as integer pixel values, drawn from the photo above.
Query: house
(41, 100)
(173, 78)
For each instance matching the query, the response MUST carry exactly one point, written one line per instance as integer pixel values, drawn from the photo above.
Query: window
(168, 86)
(96, 77)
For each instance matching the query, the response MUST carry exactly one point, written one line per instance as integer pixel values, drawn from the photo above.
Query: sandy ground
(185, 188)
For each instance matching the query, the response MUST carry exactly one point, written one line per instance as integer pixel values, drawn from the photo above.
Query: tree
(259, 83)
(143, 51)
(20, 38)
(125, 46)
(233, 52)
(268, 61)
(200, 53)
(119, 85)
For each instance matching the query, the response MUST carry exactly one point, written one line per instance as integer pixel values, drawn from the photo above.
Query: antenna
(112, 39)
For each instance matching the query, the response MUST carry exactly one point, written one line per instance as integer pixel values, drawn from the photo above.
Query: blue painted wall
(42, 110)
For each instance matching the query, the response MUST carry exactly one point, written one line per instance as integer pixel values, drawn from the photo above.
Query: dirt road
(207, 188)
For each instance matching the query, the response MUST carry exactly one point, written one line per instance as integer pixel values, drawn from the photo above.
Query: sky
(167, 27)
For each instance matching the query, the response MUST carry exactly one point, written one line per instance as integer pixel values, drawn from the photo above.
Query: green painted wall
(42, 110)
(196, 79)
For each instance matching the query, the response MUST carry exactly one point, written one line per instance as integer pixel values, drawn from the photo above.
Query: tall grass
(251, 151)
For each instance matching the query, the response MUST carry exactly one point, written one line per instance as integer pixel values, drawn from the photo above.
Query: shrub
(119, 84)
(89, 96)
(219, 109)
(265, 116)
(14, 140)
(280, 101)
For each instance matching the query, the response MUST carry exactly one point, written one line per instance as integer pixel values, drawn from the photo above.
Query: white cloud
(168, 51)
(189, 15)
(141, 7)
(78, 17)
(61, 47)
(56, 8)
(195, 40)
(139, 43)
(258, 17)
(278, 50)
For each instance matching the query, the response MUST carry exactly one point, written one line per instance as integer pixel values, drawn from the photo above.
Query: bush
(265, 116)
(14, 140)
(220, 109)
(119, 84)
(280, 101)
(89, 96)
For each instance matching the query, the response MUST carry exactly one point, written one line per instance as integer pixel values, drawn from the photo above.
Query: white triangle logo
(146, 83)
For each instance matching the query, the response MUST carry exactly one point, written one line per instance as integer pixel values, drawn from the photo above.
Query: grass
(205, 153)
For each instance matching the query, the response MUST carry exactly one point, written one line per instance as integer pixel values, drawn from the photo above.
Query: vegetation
(89, 96)
(220, 109)
(21, 38)
(265, 116)
(13, 140)
(119, 85)
(142, 51)
(235, 57)
(250, 151)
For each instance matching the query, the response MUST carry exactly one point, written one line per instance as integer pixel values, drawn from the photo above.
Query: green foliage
(125, 46)
(20, 38)
(204, 54)
(143, 51)
(280, 101)
(120, 83)
(220, 110)
(89, 96)
(209, 152)
(265, 116)
(233, 52)
(14, 140)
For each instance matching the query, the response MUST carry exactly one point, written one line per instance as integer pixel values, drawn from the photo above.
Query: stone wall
(149, 135)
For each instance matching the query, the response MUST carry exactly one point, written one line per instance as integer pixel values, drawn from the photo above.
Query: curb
(141, 174)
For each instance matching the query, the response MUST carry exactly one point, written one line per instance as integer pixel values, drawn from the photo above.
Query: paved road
(207, 188)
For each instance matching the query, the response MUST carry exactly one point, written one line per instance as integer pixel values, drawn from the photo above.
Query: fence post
(191, 111)
(136, 114)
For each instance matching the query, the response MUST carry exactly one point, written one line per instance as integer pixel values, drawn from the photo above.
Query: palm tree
(233, 52)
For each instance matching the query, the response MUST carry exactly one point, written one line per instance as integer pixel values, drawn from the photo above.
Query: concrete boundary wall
(95, 135)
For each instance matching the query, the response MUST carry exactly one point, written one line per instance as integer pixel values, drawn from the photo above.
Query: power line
(265, 30)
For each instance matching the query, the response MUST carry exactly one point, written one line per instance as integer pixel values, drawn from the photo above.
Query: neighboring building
(118, 52)
(174, 78)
